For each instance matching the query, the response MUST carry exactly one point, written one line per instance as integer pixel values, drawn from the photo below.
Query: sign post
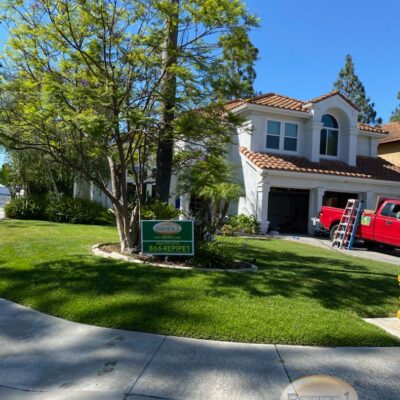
(167, 238)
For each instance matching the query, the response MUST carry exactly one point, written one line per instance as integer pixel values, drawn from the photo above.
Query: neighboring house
(389, 146)
(294, 156)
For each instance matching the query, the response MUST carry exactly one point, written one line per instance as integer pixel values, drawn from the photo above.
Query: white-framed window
(273, 135)
(282, 136)
(291, 136)
(329, 141)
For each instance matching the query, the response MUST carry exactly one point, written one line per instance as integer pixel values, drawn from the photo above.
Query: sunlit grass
(301, 294)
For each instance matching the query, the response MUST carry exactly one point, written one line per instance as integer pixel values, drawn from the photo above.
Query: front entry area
(288, 210)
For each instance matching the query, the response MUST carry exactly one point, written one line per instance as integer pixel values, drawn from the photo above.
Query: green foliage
(159, 210)
(35, 173)
(396, 113)
(212, 254)
(5, 175)
(59, 209)
(24, 208)
(77, 211)
(86, 83)
(350, 86)
(208, 178)
(242, 224)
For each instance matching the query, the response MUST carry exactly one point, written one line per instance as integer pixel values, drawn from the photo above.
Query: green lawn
(301, 295)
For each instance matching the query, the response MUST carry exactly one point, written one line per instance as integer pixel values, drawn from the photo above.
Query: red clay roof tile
(373, 129)
(394, 133)
(289, 103)
(331, 94)
(367, 167)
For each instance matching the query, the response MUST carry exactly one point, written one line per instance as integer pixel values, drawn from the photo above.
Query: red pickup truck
(380, 226)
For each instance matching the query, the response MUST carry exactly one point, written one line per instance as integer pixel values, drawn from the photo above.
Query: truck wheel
(370, 245)
(333, 231)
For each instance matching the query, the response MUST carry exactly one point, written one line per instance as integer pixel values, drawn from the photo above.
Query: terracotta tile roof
(367, 167)
(271, 100)
(373, 129)
(331, 94)
(289, 103)
(394, 133)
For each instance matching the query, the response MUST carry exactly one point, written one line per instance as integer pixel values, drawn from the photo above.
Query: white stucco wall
(248, 204)
(364, 146)
(346, 117)
(352, 141)
(253, 133)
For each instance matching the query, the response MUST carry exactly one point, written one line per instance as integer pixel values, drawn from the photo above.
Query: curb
(116, 256)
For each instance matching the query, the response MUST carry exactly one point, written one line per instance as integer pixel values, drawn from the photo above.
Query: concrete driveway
(389, 256)
(47, 358)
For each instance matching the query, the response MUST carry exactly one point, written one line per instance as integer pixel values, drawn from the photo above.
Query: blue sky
(303, 46)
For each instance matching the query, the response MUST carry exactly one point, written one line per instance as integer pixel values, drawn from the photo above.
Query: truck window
(395, 211)
(387, 209)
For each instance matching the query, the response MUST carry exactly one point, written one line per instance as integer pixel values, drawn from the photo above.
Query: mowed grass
(301, 294)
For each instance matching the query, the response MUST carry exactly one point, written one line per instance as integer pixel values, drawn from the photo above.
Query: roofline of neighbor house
(388, 141)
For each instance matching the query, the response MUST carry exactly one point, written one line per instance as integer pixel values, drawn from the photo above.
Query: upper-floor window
(329, 136)
(291, 133)
(282, 136)
(273, 135)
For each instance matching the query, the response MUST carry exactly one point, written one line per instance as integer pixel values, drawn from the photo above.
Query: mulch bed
(168, 260)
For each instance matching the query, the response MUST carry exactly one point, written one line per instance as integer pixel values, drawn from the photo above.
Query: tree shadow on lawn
(103, 292)
(23, 223)
(337, 284)
(147, 298)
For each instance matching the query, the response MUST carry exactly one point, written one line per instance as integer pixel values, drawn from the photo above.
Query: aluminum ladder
(360, 210)
(347, 225)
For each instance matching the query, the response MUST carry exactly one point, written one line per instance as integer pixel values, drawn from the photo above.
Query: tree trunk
(168, 103)
(225, 208)
(53, 182)
(121, 207)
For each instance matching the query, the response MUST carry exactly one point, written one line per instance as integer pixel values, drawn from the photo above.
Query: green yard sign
(167, 238)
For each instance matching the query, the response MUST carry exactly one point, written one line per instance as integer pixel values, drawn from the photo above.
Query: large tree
(395, 117)
(349, 84)
(206, 55)
(36, 174)
(97, 85)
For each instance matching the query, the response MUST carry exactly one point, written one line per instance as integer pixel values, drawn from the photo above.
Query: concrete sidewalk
(47, 358)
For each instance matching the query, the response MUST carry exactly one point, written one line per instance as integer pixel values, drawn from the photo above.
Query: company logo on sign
(167, 228)
(319, 387)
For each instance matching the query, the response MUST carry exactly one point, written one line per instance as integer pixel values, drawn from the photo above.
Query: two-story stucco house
(294, 156)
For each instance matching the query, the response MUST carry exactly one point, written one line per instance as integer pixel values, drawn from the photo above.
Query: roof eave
(389, 141)
(376, 135)
(314, 175)
(272, 110)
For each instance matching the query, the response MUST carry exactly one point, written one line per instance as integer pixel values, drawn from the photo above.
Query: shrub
(77, 211)
(243, 224)
(25, 208)
(212, 255)
(159, 210)
(59, 209)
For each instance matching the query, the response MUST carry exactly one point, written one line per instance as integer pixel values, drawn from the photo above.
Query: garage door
(288, 210)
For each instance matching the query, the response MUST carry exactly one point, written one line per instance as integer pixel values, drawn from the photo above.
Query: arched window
(329, 136)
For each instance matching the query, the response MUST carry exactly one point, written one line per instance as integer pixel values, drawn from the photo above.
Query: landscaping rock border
(96, 250)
